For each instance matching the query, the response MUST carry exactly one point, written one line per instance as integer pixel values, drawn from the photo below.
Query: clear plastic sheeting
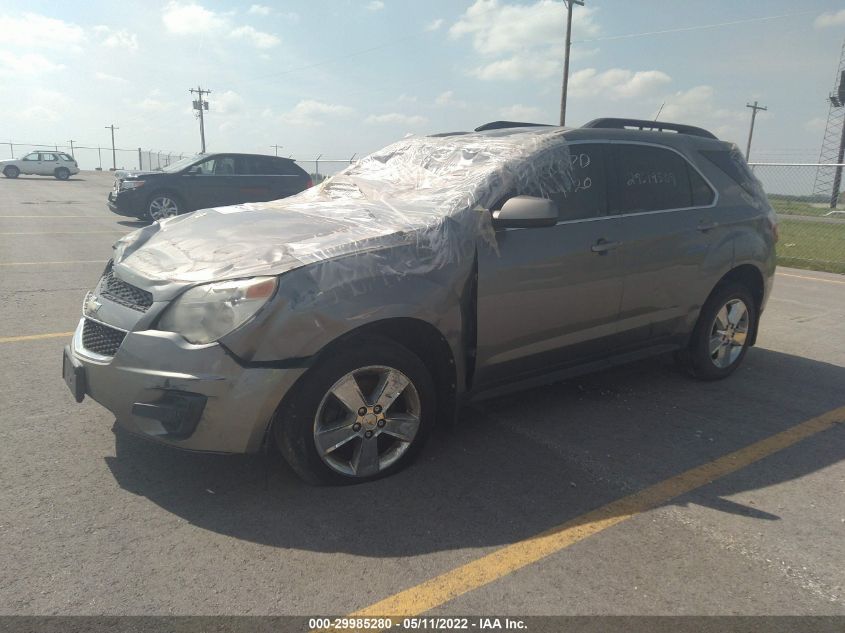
(420, 204)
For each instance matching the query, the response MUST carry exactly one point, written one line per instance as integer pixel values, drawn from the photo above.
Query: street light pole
(565, 87)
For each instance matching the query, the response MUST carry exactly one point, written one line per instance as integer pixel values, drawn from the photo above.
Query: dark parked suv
(208, 180)
(341, 324)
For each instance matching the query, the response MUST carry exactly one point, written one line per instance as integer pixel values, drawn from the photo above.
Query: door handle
(707, 226)
(602, 246)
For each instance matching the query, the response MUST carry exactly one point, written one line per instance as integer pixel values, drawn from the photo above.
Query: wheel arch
(420, 337)
(752, 278)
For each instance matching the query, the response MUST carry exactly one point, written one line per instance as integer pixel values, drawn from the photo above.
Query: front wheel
(719, 341)
(161, 206)
(359, 415)
(11, 172)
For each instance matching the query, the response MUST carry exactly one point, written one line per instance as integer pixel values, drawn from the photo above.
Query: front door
(549, 297)
(211, 183)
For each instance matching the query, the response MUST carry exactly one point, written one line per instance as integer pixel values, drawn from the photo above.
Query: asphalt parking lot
(613, 468)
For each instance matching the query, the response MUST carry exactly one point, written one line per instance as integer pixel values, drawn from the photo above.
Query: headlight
(131, 184)
(205, 313)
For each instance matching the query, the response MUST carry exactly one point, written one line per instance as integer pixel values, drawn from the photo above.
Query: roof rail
(500, 125)
(642, 124)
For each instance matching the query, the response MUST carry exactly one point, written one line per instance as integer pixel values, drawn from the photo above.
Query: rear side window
(650, 179)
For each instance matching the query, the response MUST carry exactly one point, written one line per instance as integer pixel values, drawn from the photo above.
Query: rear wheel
(163, 205)
(11, 172)
(62, 173)
(719, 341)
(362, 414)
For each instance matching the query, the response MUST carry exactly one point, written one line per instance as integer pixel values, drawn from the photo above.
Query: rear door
(273, 178)
(549, 297)
(48, 163)
(669, 219)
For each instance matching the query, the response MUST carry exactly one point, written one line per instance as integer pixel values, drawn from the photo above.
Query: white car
(56, 164)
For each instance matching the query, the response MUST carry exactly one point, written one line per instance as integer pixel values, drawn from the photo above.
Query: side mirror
(526, 212)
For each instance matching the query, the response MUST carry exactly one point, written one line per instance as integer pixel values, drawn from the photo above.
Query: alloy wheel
(367, 421)
(162, 207)
(728, 333)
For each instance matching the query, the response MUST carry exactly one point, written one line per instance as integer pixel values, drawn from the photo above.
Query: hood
(122, 174)
(429, 194)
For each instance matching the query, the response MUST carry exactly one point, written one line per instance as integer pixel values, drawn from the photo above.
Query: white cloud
(816, 124)
(257, 38)
(122, 39)
(151, 104)
(616, 83)
(227, 103)
(110, 78)
(190, 19)
(311, 112)
(519, 112)
(26, 64)
(39, 113)
(698, 106)
(434, 25)
(448, 99)
(830, 19)
(259, 9)
(520, 41)
(375, 5)
(395, 117)
(31, 29)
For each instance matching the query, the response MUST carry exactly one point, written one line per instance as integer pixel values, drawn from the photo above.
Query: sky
(344, 77)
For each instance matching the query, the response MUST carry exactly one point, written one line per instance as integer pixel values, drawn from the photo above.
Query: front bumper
(156, 381)
(127, 203)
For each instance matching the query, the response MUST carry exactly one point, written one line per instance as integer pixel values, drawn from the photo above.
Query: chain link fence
(101, 158)
(812, 225)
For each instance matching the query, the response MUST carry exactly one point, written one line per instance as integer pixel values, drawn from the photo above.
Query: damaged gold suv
(343, 323)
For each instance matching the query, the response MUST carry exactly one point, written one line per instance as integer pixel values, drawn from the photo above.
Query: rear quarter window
(731, 162)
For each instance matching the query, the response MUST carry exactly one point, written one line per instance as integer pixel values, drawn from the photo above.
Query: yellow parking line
(81, 261)
(830, 281)
(34, 337)
(510, 558)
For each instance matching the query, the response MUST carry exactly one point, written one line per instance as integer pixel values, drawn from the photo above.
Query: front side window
(205, 168)
(572, 177)
(650, 179)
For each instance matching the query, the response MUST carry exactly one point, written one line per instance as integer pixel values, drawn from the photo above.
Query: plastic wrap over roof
(429, 194)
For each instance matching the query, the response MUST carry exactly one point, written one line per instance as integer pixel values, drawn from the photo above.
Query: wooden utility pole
(565, 87)
(754, 109)
(200, 106)
(113, 153)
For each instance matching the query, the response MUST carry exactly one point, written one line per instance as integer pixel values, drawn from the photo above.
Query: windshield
(179, 165)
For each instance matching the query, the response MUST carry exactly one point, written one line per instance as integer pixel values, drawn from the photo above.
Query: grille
(101, 339)
(123, 293)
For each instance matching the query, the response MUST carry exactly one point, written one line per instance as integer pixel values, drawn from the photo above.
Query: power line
(693, 28)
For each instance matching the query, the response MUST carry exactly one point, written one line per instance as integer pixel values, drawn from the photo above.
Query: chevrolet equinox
(344, 322)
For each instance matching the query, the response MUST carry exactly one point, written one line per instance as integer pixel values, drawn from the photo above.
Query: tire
(11, 172)
(328, 443)
(62, 173)
(162, 205)
(714, 351)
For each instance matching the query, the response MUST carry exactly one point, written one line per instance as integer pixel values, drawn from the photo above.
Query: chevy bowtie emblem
(91, 305)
